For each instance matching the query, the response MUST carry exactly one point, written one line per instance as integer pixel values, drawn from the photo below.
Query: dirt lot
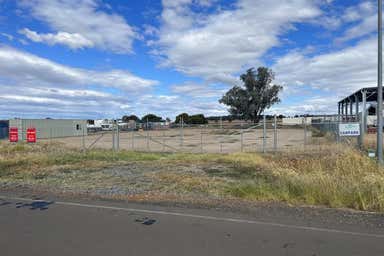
(196, 140)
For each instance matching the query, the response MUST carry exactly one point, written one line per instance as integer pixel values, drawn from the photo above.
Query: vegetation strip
(338, 177)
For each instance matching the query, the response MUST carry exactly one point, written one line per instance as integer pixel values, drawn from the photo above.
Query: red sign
(31, 135)
(13, 134)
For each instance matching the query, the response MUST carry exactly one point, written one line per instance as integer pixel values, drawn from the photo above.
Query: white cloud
(172, 105)
(31, 86)
(72, 40)
(31, 69)
(339, 72)
(217, 46)
(85, 19)
(324, 79)
(8, 36)
(365, 14)
(197, 90)
(32, 101)
(314, 105)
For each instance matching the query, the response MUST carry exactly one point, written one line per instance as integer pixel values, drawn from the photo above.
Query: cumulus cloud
(196, 38)
(217, 45)
(19, 100)
(365, 17)
(197, 90)
(31, 69)
(314, 105)
(84, 20)
(326, 78)
(340, 72)
(31, 86)
(172, 105)
(72, 40)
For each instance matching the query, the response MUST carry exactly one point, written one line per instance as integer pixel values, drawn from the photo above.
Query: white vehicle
(101, 125)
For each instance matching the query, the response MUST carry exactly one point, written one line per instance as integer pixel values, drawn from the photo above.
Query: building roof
(371, 95)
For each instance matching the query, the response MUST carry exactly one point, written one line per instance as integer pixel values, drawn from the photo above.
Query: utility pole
(379, 109)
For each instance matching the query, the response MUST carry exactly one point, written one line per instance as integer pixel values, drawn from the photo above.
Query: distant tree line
(190, 119)
(147, 118)
(187, 119)
(193, 119)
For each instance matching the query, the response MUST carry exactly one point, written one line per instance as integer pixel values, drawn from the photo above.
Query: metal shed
(50, 128)
(349, 106)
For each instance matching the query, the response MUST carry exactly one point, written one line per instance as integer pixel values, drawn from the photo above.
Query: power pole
(379, 109)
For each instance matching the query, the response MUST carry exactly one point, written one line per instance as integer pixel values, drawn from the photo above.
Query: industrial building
(296, 120)
(50, 128)
(349, 107)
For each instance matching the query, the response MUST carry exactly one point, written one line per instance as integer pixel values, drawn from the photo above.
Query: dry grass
(338, 176)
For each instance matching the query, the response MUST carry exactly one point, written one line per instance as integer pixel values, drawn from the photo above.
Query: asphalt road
(104, 228)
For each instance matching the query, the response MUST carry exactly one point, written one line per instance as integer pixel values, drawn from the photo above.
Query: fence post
(50, 135)
(201, 140)
(264, 134)
(221, 144)
(82, 139)
(163, 140)
(148, 140)
(113, 137)
(117, 137)
(361, 136)
(133, 140)
(182, 133)
(221, 122)
(275, 133)
(305, 131)
(337, 128)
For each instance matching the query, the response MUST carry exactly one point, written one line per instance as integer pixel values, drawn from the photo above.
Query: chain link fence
(269, 135)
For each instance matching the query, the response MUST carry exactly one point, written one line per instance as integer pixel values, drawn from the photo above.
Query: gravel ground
(133, 179)
(184, 185)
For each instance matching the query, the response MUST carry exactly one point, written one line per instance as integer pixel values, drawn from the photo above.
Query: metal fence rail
(269, 135)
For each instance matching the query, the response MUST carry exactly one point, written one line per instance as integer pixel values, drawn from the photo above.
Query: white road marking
(204, 217)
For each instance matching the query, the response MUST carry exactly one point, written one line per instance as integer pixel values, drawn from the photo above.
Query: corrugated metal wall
(50, 128)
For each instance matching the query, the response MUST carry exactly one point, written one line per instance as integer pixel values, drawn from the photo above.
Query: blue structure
(4, 129)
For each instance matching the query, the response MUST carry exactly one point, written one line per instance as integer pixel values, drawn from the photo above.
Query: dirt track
(195, 140)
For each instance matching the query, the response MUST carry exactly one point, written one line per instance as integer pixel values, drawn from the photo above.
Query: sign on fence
(349, 129)
(31, 135)
(13, 134)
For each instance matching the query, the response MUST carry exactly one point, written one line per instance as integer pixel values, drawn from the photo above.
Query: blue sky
(104, 59)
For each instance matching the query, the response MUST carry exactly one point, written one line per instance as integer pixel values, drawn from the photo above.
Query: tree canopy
(130, 117)
(256, 95)
(193, 119)
(197, 119)
(151, 118)
(183, 116)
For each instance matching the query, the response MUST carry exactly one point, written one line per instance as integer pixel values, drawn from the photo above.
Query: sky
(105, 59)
